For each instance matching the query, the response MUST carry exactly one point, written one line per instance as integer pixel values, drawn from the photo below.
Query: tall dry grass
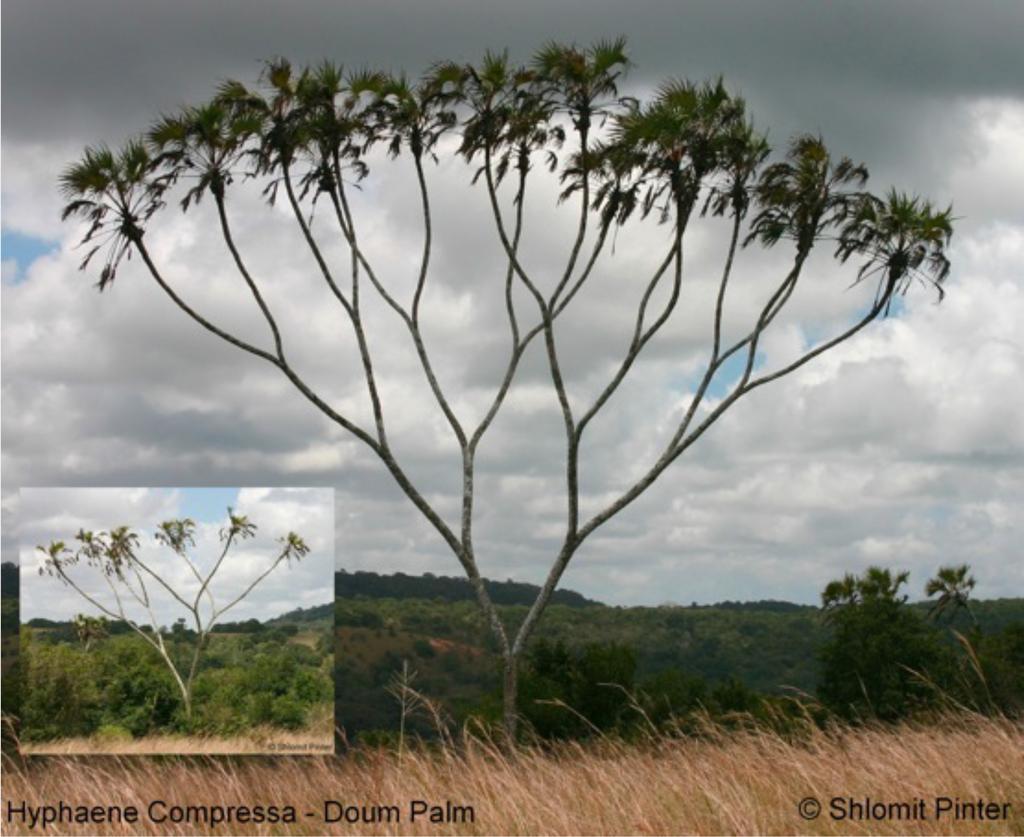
(316, 737)
(747, 782)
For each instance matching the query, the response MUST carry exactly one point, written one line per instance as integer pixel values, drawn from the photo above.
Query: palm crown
(204, 143)
(690, 136)
(584, 82)
(953, 586)
(903, 238)
(661, 153)
(875, 585)
(803, 196)
(115, 193)
(510, 115)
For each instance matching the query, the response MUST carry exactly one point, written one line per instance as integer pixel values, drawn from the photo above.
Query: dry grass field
(257, 742)
(721, 783)
(318, 737)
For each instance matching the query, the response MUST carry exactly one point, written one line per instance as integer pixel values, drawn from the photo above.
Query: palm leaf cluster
(876, 584)
(110, 552)
(950, 589)
(115, 192)
(691, 145)
(952, 585)
(89, 628)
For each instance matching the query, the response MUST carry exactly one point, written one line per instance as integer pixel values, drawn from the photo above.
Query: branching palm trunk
(647, 325)
(510, 694)
(116, 558)
(691, 148)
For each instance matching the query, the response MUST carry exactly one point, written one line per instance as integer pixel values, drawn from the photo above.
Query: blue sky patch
(208, 505)
(23, 250)
(730, 372)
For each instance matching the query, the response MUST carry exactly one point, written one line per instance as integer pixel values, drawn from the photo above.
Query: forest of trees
(96, 678)
(878, 656)
(867, 653)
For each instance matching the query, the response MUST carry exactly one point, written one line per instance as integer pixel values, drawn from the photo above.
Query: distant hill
(305, 614)
(770, 646)
(372, 585)
(992, 614)
(299, 616)
(765, 605)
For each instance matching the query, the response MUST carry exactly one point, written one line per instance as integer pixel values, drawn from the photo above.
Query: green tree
(1001, 660)
(691, 150)
(59, 696)
(671, 694)
(882, 660)
(570, 693)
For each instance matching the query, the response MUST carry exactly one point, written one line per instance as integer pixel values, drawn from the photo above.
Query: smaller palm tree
(89, 628)
(117, 555)
(840, 593)
(953, 586)
(903, 238)
(875, 585)
(114, 192)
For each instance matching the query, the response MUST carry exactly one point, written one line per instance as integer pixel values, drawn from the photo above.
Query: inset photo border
(176, 620)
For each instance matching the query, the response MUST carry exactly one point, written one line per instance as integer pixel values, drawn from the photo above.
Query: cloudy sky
(903, 447)
(45, 515)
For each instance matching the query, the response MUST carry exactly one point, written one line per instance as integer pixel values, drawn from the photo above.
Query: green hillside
(362, 584)
(770, 647)
(727, 653)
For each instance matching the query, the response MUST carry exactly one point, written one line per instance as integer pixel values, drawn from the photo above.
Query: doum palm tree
(305, 136)
(875, 585)
(89, 628)
(953, 586)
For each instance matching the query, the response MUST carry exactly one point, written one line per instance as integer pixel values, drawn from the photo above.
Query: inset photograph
(176, 620)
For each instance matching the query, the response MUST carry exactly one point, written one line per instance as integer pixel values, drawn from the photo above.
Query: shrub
(112, 734)
(287, 712)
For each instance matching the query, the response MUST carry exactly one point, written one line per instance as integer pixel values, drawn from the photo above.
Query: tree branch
(137, 561)
(382, 451)
(229, 240)
(726, 272)
(206, 582)
(427, 237)
(364, 351)
(352, 428)
(640, 336)
(673, 451)
(247, 590)
(581, 231)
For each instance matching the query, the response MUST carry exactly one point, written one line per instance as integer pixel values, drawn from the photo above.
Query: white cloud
(45, 515)
(903, 446)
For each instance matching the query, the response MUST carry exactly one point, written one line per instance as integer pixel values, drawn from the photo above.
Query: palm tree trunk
(510, 693)
(187, 689)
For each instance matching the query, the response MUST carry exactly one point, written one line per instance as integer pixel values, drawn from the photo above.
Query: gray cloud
(904, 447)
